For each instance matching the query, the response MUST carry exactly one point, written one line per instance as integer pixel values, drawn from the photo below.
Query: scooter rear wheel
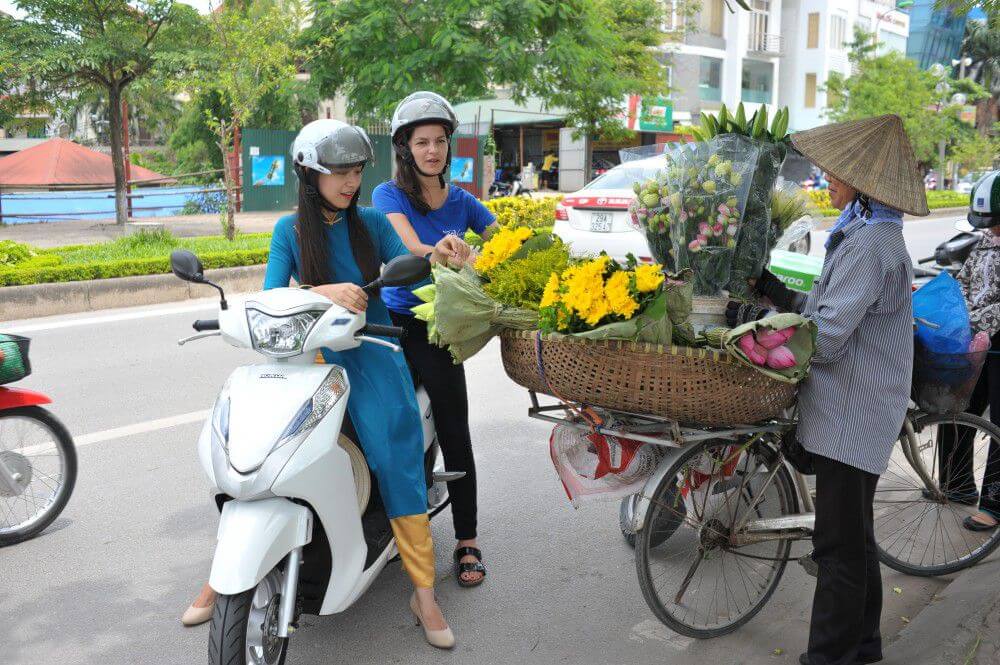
(37, 451)
(244, 626)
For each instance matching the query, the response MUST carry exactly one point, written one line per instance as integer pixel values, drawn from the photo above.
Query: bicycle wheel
(38, 453)
(696, 581)
(918, 529)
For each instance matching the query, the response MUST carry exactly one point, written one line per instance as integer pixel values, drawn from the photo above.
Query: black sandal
(476, 567)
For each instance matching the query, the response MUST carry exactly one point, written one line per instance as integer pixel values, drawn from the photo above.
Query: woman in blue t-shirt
(424, 209)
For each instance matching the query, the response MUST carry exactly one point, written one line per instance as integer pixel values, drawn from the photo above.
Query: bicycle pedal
(809, 565)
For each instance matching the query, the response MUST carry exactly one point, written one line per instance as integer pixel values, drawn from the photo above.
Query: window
(812, 41)
(758, 81)
(711, 17)
(810, 91)
(838, 31)
(710, 80)
(673, 16)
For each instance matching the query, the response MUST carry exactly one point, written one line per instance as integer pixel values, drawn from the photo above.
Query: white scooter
(303, 529)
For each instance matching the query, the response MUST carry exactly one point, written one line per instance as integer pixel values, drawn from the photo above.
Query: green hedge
(33, 272)
(935, 201)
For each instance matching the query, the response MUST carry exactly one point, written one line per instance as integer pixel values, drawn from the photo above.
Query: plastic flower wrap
(709, 183)
(648, 212)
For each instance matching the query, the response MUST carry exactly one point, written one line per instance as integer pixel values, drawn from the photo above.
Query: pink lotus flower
(717, 229)
(981, 342)
(704, 229)
(643, 211)
(703, 239)
(724, 209)
(684, 215)
(780, 358)
(754, 351)
(694, 245)
(732, 229)
(772, 339)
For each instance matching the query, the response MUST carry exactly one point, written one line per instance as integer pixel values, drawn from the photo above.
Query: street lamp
(962, 63)
(900, 6)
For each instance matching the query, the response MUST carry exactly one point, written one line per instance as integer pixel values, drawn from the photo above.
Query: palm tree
(982, 45)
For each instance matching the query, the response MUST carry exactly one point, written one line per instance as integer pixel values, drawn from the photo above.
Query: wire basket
(14, 363)
(944, 382)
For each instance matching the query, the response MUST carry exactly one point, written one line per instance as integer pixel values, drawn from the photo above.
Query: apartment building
(779, 54)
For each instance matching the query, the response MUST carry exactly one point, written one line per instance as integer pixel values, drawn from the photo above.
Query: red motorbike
(37, 456)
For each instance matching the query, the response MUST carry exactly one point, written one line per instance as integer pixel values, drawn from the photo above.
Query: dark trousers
(848, 603)
(444, 381)
(956, 447)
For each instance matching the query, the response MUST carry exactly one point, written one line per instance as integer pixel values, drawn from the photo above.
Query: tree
(70, 49)
(252, 57)
(889, 83)
(982, 45)
(583, 55)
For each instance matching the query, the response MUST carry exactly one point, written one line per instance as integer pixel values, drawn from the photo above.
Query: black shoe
(976, 525)
(804, 660)
(963, 498)
(810, 565)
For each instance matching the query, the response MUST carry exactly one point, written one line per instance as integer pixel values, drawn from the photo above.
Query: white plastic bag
(595, 466)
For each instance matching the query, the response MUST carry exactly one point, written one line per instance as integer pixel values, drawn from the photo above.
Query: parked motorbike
(293, 486)
(507, 183)
(37, 456)
(948, 256)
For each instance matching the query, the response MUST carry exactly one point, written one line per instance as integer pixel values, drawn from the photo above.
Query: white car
(596, 218)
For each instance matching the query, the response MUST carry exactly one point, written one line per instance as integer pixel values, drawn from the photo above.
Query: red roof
(60, 162)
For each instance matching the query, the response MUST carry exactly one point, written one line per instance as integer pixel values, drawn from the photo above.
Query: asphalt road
(108, 581)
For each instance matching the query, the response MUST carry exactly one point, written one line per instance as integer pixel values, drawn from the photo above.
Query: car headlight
(220, 417)
(280, 336)
(315, 408)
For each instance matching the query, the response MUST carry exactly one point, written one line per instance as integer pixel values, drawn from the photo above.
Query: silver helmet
(423, 107)
(326, 144)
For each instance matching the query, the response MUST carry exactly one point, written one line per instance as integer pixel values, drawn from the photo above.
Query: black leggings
(955, 457)
(445, 385)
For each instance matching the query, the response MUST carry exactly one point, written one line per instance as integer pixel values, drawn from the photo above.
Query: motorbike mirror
(186, 265)
(405, 271)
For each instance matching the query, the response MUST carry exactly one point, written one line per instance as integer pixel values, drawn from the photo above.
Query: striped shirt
(852, 405)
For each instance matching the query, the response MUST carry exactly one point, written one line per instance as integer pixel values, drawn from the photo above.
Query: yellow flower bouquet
(599, 299)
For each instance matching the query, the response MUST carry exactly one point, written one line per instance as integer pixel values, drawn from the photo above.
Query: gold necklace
(330, 217)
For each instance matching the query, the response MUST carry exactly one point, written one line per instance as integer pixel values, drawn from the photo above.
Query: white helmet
(326, 144)
(984, 204)
(421, 108)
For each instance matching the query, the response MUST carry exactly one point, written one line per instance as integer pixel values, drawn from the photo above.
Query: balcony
(766, 43)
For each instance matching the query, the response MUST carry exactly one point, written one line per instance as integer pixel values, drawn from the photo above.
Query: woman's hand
(451, 250)
(346, 295)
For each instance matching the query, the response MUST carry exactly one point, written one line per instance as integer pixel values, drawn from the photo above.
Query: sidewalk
(85, 232)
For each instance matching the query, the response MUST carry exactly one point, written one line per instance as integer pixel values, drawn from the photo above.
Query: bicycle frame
(650, 429)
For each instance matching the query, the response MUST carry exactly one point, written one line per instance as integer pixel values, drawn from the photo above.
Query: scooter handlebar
(382, 331)
(206, 324)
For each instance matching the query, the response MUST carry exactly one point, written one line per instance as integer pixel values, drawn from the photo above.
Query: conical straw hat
(873, 156)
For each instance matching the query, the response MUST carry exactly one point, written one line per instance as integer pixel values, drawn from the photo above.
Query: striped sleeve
(853, 287)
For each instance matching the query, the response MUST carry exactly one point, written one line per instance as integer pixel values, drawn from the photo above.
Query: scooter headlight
(220, 417)
(315, 408)
(280, 336)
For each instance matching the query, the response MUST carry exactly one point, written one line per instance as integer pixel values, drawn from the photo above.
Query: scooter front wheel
(244, 628)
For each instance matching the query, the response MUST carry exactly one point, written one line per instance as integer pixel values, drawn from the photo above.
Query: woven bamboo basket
(692, 386)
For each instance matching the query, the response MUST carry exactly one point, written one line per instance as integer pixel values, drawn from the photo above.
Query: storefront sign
(268, 170)
(657, 115)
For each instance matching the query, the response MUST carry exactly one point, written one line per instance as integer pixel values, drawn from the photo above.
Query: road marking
(122, 432)
(112, 318)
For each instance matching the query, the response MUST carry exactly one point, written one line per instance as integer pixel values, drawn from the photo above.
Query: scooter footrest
(448, 476)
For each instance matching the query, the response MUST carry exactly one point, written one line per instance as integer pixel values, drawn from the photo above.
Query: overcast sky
(201, 5)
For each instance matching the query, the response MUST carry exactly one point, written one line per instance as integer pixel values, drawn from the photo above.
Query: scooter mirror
(405, 271)
(186, 265)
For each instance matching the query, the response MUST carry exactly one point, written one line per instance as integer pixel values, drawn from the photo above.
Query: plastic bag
(595, 466)
(942, 316)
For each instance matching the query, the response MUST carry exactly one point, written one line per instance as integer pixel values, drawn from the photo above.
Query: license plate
(600, 222)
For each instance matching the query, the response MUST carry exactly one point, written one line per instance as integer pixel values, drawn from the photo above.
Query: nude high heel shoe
(442, 639)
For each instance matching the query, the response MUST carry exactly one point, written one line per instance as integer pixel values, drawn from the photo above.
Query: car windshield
(622, 177)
